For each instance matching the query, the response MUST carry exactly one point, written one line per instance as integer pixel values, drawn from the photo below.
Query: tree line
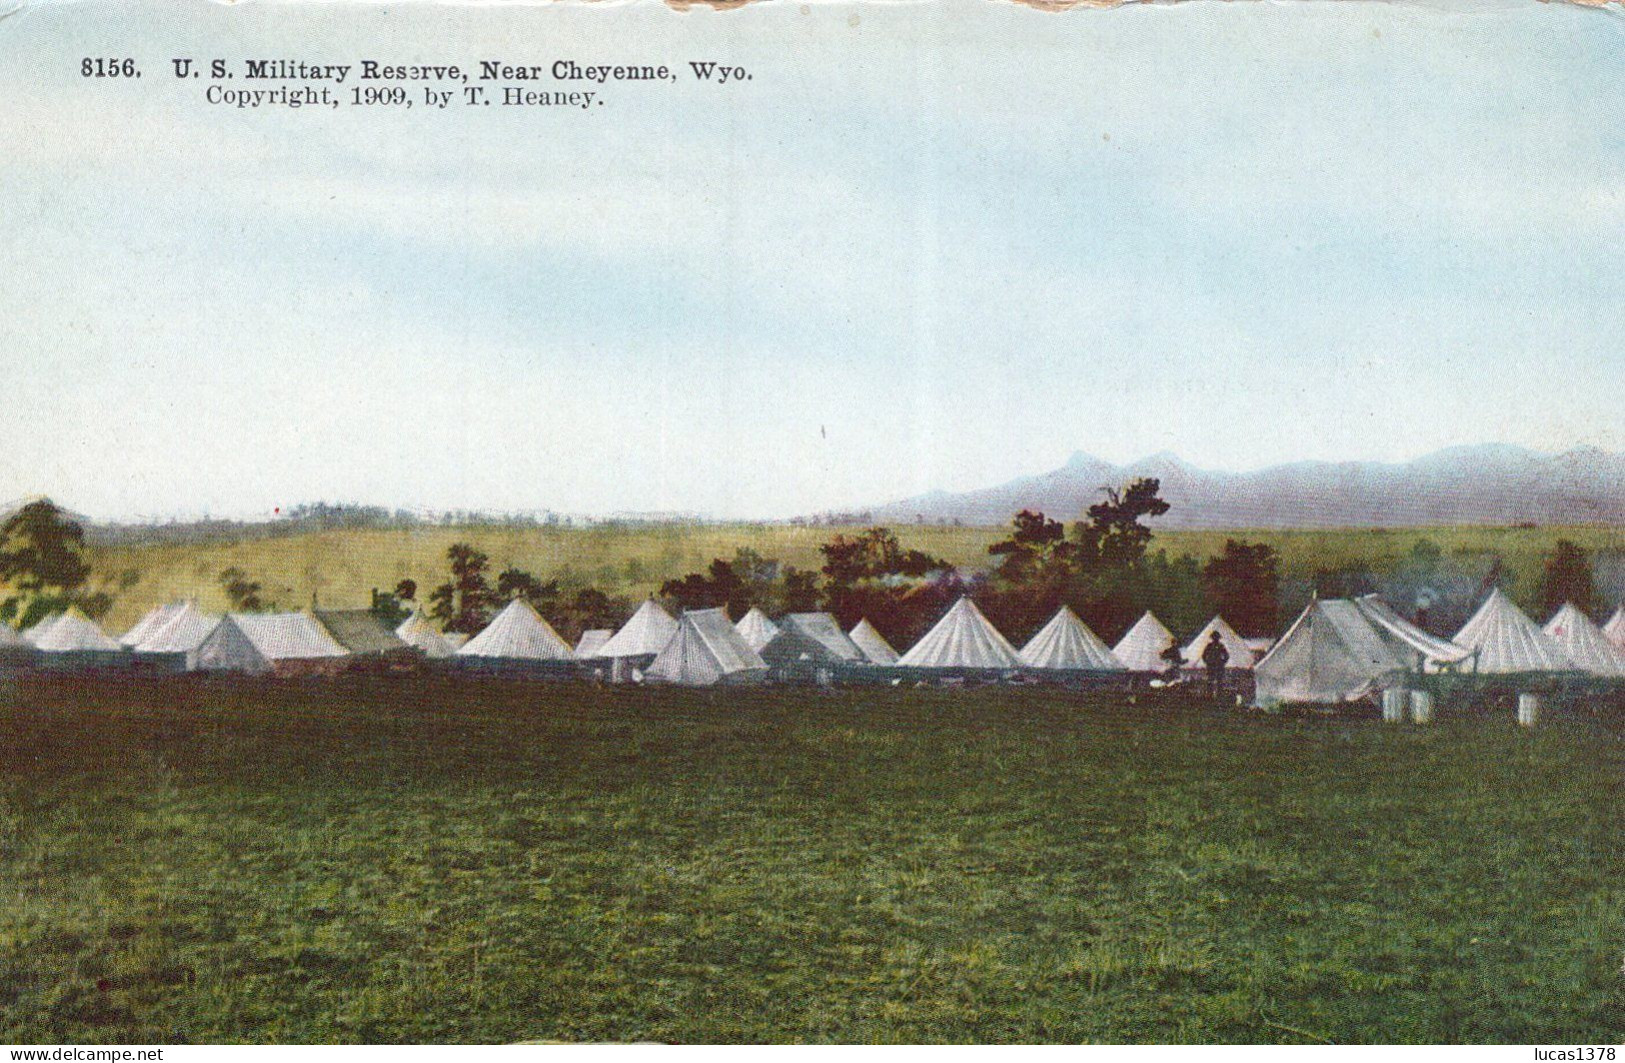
(1104, 567)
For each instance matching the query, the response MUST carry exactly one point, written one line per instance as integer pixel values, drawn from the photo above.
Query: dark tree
(464, 603)
(1567, 578)
(718, 587)
(1037, 550)
(1113, 536)
(1244, 585)
(388, 608)
(242, 593)
(42, 550)
(801, 593)
(901, 591)
(516, 583)
(406, 590)
(1350, 580)
(1101, 570)
(875, 554)
(592, 608)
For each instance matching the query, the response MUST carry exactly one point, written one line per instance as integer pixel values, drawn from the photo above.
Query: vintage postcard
(951, 522)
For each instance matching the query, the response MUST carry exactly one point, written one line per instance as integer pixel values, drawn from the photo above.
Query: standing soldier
(1215, 656)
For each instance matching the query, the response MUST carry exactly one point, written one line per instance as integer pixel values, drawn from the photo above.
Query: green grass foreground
(356, 861)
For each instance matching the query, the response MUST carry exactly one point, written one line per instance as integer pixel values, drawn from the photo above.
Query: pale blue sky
(933, 245)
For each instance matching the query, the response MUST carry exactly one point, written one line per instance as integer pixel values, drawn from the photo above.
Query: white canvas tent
(1421, 649)
(150, 623)
(963, 640)
(259, 643)
(1331, 653)
(873, 644)
(706, 650)
(32, 635)
(174, 644)
(1241, 654)
(1141, 649)
(416, 631)
(638, 641)
(74, 641)
(1505, 641)
(592, 640)
(756, 629)
(517, 638)
(644, 635)
(1067, 644)
(1615, 628)
(825, 629)
(1584, 642)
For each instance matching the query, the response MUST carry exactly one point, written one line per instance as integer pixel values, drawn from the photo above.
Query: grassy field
(193, 861)
(342, 567)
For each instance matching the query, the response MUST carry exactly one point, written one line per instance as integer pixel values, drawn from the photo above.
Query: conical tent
(1331, 653)
(1615, 628)
(706, 650)
(418, 632)
(873, 645)
(257, 643)
(176, 642)
(520, 635)
(40, 629)
(150, 622)
(963, 640)
(72, 640)
(1419, 648)
(827, 630)
(1584, 642)
(591, 641)
(756, 628)
(74, 632)
(1067, 644)
(1506, 641)
(1141, 649)
(645, 635)
(1241, 655)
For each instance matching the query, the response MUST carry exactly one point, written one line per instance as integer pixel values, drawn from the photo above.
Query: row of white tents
(1347, 649)
(1337, 649)
(700, 647)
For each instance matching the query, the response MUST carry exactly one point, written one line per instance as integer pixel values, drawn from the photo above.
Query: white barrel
(1421, 706)
(1528, 709)
(1394, 701)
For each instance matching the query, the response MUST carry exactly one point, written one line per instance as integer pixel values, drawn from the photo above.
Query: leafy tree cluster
(867, 575)
(745, 581)
(43, 567)
(902, 592)
(468, 601)
(243, 595)
(1104, 570)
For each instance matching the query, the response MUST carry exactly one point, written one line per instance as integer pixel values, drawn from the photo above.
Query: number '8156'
(107, 68)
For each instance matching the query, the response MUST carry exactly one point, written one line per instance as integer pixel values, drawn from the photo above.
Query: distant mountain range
(1491, 484)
